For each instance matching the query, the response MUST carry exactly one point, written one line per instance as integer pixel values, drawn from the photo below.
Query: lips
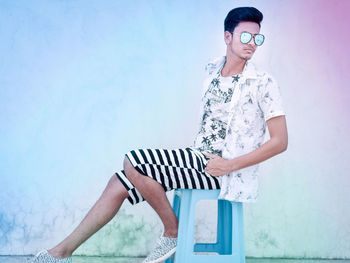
(249, 49)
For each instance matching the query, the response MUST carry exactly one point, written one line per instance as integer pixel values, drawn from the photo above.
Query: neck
(233, 65)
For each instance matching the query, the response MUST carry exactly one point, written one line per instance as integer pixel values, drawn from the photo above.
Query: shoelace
(158, 250)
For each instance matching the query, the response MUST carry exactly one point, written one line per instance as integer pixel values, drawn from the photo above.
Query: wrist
(234, 165)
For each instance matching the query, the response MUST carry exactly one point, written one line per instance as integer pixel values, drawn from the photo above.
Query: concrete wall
(82, 82)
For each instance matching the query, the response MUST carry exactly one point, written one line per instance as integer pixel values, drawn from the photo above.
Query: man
(238, 102)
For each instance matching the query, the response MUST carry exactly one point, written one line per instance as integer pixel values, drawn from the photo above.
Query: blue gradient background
(83, 82)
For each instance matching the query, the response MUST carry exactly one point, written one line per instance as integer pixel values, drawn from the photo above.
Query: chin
(246, 57)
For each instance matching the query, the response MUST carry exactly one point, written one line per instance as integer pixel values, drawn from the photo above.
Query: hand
(217, 166)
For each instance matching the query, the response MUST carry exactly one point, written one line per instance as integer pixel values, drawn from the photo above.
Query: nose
(252, 42)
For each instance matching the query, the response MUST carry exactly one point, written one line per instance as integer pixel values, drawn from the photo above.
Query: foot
(165, 247)
(44, 257)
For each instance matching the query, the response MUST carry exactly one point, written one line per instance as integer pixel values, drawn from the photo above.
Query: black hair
(240, 14)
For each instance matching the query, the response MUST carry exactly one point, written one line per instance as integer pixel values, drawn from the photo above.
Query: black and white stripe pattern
(173, 169)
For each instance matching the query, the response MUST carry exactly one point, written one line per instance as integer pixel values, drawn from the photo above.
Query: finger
(210, 155)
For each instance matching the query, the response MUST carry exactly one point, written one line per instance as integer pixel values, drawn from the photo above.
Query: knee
(116, 188)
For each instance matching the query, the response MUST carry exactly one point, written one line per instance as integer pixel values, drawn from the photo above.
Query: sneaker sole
(167, 255)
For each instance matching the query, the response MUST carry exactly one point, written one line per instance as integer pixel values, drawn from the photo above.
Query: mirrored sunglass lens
(259, 40)
(245, 37)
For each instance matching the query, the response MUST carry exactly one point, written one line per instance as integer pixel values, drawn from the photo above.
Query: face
(234, 46)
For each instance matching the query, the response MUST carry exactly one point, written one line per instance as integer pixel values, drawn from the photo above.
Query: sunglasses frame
(251, 36)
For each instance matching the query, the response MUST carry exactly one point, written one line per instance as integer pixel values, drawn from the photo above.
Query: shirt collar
(249, 70)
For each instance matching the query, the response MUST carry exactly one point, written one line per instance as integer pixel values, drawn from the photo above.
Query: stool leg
(238, 231)
(224, 229)
(176, 208)
(186, 228)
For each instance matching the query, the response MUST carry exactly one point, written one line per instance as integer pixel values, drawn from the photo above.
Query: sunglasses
(246, 37)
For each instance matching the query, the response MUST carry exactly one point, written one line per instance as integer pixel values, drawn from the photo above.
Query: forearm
(269, 149)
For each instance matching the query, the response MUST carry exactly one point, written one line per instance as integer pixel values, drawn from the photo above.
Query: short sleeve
(270, 99)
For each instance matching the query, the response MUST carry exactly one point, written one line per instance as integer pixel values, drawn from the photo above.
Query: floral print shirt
(234, 111)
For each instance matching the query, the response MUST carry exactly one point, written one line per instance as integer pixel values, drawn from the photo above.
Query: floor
(78, 259)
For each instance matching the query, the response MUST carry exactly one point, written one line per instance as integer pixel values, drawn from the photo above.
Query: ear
(227, 37)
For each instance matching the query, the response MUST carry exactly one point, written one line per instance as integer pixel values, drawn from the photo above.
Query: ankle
(56, 253)
(170, 233)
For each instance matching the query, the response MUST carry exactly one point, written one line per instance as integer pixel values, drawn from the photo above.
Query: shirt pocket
(247, 112)
(249, 107)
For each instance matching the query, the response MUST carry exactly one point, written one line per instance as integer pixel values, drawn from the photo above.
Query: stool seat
(229, 247)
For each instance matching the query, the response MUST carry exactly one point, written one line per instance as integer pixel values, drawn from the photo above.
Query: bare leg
(154, 194)
(100, 214)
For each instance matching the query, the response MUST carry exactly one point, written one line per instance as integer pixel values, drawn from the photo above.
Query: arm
(277, 143)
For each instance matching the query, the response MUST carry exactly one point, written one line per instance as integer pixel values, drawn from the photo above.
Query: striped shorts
(173, 169)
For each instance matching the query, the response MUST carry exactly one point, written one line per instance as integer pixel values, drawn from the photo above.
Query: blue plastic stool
(230, 232)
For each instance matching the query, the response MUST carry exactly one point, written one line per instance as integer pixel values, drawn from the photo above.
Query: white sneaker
(44, 257)
(165, 247)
